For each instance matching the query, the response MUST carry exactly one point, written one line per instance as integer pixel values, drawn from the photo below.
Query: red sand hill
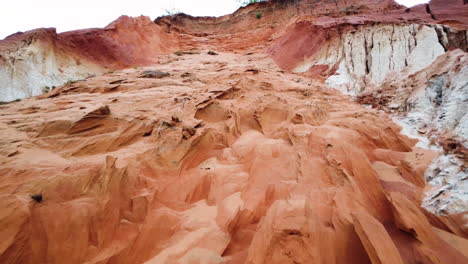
(227, 140)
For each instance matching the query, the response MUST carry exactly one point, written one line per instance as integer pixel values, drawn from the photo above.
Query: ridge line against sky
(24, 15)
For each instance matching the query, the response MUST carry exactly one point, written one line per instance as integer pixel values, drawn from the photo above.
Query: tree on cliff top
(244, 2)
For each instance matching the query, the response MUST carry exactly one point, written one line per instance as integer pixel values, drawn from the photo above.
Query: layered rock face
(235, 148)
(353, 56)
(31, 62)
(380, 59)
(229, 161)
(35, 61)
(431, 105)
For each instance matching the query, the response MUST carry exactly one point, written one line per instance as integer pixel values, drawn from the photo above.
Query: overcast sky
(23, 15)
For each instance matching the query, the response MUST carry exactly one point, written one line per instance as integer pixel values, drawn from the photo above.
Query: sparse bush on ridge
(46, 89)
(172, 12)
(244, 3)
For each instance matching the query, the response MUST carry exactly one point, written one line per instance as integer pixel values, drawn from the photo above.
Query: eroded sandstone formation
(35, 61)
(223, 152)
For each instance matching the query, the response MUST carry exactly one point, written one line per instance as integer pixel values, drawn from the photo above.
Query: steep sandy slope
(226, 160)
(245, 154)
(359, 50)
(34, 61)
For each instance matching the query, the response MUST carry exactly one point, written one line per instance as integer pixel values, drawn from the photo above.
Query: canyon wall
(225, 160)
(354, 57)
(241, 147)
(431, 105)
(34, 62)
(414, 71)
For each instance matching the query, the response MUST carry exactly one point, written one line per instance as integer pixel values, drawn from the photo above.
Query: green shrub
(46, 89)
(244, 3)
(258, 15)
